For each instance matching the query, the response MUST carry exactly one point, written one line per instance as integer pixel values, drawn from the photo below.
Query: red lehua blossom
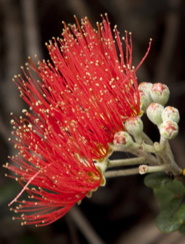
(56, 177)
(89, 87)
(81, 99)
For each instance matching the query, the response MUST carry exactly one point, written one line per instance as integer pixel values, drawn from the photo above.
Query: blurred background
(124, 211)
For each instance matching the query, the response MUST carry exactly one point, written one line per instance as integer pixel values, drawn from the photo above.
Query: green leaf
(163, 196)
(172, 217)
(176, 187)
(156, 180)
(173, 189)
(170, 194)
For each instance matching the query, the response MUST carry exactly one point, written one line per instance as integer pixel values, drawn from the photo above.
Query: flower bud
(145, 100)
(134, 126)
(168, 129)
(154, 113)
(122, 139)
(170, 113)
(145, 97)
(145, 87)
(160, 93)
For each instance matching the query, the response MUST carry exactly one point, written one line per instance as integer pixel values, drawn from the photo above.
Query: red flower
(56, 177)
(89, 86)
(81, 99)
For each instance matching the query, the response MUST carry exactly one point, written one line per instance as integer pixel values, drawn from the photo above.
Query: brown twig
(31, 32)
(84, 226)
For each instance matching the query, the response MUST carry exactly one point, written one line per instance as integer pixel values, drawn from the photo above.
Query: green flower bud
(154, 112)
(160, 93)
(170, 113)
(168, 129)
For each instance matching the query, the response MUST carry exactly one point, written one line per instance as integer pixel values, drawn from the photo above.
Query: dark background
(124, 211)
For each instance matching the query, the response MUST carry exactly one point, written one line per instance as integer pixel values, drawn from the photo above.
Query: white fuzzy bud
(145, 100)
(154, 113)
(168, 129)
(160, 93)
(145, 87)
(122, 139)
(134, 126)
(145, 97)
(170, 113)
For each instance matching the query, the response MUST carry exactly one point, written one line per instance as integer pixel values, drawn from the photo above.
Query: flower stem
(125, 162)
(124, 172)
(147, 139)
(149, 158)
(175, 169)
(143, 169)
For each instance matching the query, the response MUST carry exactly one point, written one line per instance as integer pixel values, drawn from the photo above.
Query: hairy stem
(124, 172)
(143, 169)
(125, 162)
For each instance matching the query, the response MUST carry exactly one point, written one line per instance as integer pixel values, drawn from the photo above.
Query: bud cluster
(148, 156)
(153, 98)
(157, 93)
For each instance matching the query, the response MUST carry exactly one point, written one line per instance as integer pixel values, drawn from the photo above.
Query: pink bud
(122, 138)
(168, 129)
(171, 113)
(160, 93)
